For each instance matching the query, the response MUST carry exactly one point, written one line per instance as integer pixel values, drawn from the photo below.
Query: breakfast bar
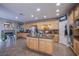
(41, 44)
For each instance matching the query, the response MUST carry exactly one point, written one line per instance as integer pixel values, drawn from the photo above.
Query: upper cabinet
(76, 12)
(52, 24)
(71, 17)
(75, 22)
(73, 14)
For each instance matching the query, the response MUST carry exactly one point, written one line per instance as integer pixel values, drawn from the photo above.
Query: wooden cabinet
(49, 47)
(41, 45)
(71, 17)
(21, 35)
(27, 41)
(53, 23)
(46, 46)
(76, 11)
(32, 43)
(56, 39)
(76, 46)
(36, 44)
(75, 14)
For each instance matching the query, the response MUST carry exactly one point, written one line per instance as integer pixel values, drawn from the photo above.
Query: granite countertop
(21, 32)
(45, 37)
(32, 36)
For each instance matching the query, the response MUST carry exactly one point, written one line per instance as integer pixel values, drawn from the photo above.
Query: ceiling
(24, 11)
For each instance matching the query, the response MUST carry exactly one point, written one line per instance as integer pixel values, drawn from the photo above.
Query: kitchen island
(41, 44)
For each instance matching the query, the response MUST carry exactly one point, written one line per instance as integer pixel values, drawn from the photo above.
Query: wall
(62, 38)
(51, 22)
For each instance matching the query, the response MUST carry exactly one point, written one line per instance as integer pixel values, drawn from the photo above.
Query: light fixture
(57, 4)
(38, 9)
(32, 15)
(44, 16)
(57, 10)
(16, 17)
(57, 14)
(36, 17)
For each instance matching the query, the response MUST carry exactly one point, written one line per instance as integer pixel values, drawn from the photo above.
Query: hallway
(19, 49)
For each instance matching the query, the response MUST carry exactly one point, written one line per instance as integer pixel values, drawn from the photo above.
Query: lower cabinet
(41, 45)
(46, 46)
(27, 42)
(56, 39)
(76, 46)
(33, 43)
(49, 47)
(21, 35)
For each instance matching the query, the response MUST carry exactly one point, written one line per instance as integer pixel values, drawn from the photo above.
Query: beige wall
(53, 23)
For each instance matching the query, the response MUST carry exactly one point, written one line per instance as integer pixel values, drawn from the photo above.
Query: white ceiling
(47, 9)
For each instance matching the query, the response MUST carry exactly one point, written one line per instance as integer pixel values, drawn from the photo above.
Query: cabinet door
(76, 11)
(46, 46)
(24, 35)
(31, 43)
(75, 45)
(49, 47)
(35, 41)
(27, 42)
(18, 34)
(42, 46)
(71, 17)
(77, 48)
(56, 39)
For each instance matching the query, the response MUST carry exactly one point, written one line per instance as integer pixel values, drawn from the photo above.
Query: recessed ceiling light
(38, 9)
(57, 10)
(58, 4)
(57, 14)
(32, 15)
(36, 17)
(16, 17)
(44, 16)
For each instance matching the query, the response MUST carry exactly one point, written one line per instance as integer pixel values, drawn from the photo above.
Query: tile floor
(19, 49)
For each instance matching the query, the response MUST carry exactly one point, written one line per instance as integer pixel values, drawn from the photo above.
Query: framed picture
(7, 26)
